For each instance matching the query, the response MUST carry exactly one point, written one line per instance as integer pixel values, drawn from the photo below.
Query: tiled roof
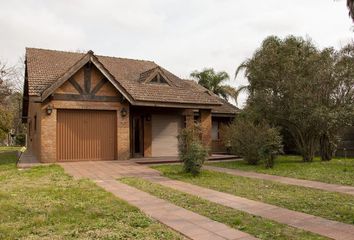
(44, 67)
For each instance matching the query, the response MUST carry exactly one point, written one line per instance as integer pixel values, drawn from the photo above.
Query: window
(154, 80)
(215, 130)
(158, 79)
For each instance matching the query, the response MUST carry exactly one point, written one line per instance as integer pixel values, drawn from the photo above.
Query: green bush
(20, 139)
(191, 151)
(254, 142)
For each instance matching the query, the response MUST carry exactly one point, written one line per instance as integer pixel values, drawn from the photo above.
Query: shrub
(20, 139)
(254, 142)
(191, 151)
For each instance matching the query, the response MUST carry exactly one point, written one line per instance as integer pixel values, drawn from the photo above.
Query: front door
(138, 136)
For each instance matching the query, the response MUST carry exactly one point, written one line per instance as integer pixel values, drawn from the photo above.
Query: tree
(10, 98)
(295, 85)
(338, 101)
(214, 82)
(350, 5)
(5, 92)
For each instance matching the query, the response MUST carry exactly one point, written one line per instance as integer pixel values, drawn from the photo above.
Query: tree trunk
(326, 148)
(306, 145)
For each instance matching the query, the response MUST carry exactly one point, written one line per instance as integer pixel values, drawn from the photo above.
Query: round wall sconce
(123, 112)
(49, 109)
(148, 118)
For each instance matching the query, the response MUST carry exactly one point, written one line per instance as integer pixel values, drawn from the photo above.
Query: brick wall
(205, 122)
(123, 132)
(48, 135)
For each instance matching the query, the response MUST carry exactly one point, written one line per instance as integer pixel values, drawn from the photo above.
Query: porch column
(189, 114)
(205, 122)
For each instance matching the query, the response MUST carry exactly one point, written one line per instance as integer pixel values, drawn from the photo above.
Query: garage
(165, 129)
(86, 135)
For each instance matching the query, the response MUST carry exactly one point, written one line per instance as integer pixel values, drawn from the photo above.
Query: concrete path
(188, 223)
(104, 172)
(287, 180)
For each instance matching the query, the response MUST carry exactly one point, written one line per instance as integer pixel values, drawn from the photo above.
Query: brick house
(81, 106)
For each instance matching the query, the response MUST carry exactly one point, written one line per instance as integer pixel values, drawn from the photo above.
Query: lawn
(256, 226)
(45, 203)
(334, 206)
(337, 171)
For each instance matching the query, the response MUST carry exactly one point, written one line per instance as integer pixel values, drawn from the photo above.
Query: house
(81, 106)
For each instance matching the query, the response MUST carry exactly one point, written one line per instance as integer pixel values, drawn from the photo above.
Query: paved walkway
(286, 180)
(307, 222)
(105, 172)
(188, 223)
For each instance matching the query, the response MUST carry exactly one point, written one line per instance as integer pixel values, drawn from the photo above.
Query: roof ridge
(85, 52)
(55, 50)
(134, 59)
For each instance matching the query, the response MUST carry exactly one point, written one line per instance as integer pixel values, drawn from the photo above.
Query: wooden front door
(86, 135)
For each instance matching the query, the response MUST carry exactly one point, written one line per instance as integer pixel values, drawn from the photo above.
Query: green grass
(45, 203)
(334, 206)
(256, 226)
(9, 149)
(336, 171)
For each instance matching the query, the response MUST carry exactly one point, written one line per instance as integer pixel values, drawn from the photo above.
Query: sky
(180, 35)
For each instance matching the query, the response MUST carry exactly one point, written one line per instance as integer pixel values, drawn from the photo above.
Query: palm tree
(214, 81)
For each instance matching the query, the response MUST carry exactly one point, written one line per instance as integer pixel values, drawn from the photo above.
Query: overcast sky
(180, 35)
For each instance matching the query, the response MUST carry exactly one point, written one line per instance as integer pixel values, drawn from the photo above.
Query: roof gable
(88, 58)
(87, 84)
(155, 76)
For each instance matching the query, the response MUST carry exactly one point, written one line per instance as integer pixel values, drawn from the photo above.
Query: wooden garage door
(86, 135)
(165, 130)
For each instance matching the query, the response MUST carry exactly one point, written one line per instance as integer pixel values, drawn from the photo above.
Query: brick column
(189, 114)
(205, 122)
(123, 143)
(48, 131)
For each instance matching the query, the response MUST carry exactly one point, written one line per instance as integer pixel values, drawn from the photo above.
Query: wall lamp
(123, 112)
(49, 109)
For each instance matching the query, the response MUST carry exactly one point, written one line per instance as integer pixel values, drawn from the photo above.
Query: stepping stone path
(291, 181)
